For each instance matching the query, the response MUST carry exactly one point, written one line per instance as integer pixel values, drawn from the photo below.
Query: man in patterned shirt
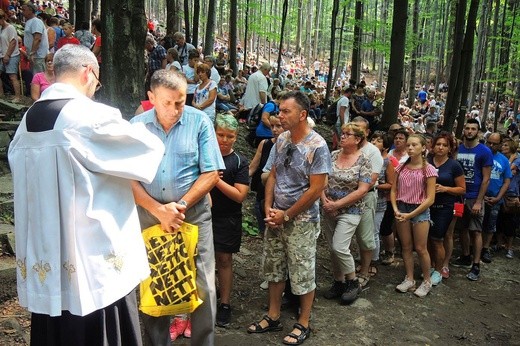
(156, 58)
(298, 176)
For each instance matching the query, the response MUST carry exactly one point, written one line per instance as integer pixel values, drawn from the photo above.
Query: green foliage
(249, 225)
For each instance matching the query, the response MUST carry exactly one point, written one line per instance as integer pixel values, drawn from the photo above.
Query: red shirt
(67, 40)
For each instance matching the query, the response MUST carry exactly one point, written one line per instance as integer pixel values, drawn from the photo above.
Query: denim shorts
(490, 218)
(12, 65)
(408, 208)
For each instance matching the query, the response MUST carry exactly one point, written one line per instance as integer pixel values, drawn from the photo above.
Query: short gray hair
(72, 58)
(169, 79)
(178, 35)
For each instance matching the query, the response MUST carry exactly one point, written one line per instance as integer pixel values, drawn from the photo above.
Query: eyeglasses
(492, 143)
(288, 158)
(99, 85)
(346, 134)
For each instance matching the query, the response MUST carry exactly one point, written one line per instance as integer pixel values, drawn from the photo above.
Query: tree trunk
(210, 28)
(173, 17)
(122, 74)
(339, 64)
(72, 12)
(233, 13)
(465, 68)
(452, 101)
(196, 19)
(415, 47)
(476, 71)
(381, 68)
(299, 27)
(441, 53)
(96, 8)
(80, 14)
(246, 32)
(315, 54)
(308, 36)
(395, 70)
(284, 20)
(433, 40)
(187, 31)
(356, 48)
(450, 40)
(335, 11)
(490, 74)
(374, 37)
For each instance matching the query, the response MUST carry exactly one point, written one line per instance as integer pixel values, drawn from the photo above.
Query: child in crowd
(191, 76)
(227, 196)
(383, 142)
(69, 36)
(256, 166)
(412, 194)
(172, 57)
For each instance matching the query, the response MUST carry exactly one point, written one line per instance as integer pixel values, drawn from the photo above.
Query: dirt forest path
(457, 312)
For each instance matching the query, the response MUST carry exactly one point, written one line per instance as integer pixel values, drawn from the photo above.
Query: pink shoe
(178, 327)
(187, 331)
(445, 272)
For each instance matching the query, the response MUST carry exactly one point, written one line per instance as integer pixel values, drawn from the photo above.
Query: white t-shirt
(317, 65)
(7, 35)
(215, 75)
(189, 72)
(32, 26)
(257, 83)
(201, 95)
(343, 102)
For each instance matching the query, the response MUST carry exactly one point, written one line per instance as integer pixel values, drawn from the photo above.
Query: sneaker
(406, 285)
(177, 327)
(223, 315)
(335, 291)
(424, 289)
(436, 278)
(264, 285)
(485, 256)
(510, 254)
(431, 272)
(351, 293)
(445, 272)
(187, 331)
(387, 258)
(462, 262)
(474, 274)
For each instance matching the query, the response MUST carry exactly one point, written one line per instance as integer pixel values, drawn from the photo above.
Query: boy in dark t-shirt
(227, 197)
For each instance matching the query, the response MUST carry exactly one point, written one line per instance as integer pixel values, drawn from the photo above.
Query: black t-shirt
(448, 171)
(237, 171)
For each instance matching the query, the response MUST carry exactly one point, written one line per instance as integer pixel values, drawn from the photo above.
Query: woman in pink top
(42, 80)
(412, 193)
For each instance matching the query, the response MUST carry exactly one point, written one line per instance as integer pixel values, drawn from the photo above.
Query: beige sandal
(363, 279)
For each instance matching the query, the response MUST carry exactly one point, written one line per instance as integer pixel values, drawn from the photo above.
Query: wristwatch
(286, 217)
(183, 202)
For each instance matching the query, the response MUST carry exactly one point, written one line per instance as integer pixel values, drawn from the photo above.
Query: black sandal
(304, 335)
(272, 326)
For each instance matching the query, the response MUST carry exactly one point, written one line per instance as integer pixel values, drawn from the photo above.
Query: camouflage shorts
(291, 250)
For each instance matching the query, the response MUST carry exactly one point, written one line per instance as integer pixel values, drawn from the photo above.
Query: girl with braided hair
(412, 193)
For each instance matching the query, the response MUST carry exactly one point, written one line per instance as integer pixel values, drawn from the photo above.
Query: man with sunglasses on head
(298, 176)
(79, 248)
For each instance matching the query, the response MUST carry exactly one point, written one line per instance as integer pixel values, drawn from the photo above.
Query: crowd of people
(105, 180)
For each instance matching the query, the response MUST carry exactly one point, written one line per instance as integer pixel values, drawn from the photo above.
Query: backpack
(253, 120)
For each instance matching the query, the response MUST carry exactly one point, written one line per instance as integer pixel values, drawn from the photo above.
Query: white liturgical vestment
(78, 240)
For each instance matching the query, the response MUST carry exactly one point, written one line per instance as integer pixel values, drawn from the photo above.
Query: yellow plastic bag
(170, 289)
